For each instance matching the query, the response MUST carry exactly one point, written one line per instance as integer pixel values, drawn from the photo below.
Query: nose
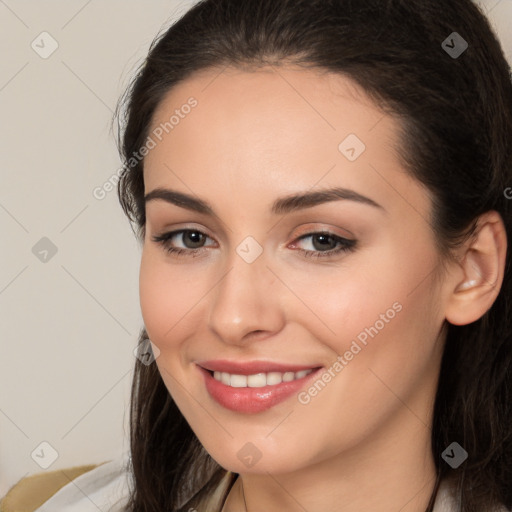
(246, 302)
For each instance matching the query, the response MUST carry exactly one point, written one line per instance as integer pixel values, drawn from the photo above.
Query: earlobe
(483, 264)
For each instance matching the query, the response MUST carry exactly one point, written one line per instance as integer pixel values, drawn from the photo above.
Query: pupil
(324, 237)
(196, 235)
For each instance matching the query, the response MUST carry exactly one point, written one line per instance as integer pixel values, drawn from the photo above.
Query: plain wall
(70, 323)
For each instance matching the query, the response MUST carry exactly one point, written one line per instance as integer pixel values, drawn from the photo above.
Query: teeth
(255, 381)
(258, 380)
(238, 381)
(288, 376)
(225, 378)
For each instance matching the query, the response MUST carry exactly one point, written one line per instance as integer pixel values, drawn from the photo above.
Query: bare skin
(363, 442)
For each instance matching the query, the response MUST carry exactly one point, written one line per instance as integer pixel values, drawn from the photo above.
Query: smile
(255, 386)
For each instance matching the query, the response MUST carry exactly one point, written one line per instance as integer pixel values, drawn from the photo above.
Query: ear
(482, 261)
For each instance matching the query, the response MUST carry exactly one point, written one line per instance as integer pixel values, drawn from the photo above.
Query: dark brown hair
(455, 114)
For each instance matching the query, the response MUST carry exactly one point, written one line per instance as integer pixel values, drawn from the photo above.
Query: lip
(252, 367)
(254, 400)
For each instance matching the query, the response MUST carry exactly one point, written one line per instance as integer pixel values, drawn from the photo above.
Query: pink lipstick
(254, 386)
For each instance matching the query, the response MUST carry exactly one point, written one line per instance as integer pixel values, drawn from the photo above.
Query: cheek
(384, 336)
(380, 315)
(389, 344)
(338, 304)
(168, 299)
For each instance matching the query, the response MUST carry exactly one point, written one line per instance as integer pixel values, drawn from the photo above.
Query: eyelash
(346, 244)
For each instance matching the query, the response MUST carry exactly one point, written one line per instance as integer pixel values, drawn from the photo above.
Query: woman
(407, 107)
(287, 373)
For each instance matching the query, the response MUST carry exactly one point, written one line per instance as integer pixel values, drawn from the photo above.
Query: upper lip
(252, 367)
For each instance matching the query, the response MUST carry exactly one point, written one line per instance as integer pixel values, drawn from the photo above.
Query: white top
(106, 488)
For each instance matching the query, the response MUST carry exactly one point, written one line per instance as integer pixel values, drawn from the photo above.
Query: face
(342, 285)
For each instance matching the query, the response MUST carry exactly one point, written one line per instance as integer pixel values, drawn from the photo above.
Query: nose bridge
(245, 299)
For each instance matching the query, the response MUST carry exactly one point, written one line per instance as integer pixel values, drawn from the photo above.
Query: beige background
(70, 324)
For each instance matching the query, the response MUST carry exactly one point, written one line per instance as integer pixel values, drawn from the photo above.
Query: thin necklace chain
(243, 494)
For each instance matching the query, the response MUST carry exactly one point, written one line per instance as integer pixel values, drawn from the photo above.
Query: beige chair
(32, 491)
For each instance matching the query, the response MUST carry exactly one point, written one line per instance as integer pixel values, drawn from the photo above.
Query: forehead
(271, 95)
(279, 128)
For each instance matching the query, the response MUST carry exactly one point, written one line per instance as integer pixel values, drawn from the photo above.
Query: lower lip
(253, 400)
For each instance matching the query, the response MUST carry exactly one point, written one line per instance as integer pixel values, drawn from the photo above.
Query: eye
(324, 244)
(333, 244)
(192, 237)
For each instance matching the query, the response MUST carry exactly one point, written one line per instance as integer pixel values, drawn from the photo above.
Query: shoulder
(78, 488)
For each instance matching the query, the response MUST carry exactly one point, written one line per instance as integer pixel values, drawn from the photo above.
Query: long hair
(455, 113)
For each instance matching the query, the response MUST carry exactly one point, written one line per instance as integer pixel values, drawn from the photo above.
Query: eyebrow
(280, 206)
